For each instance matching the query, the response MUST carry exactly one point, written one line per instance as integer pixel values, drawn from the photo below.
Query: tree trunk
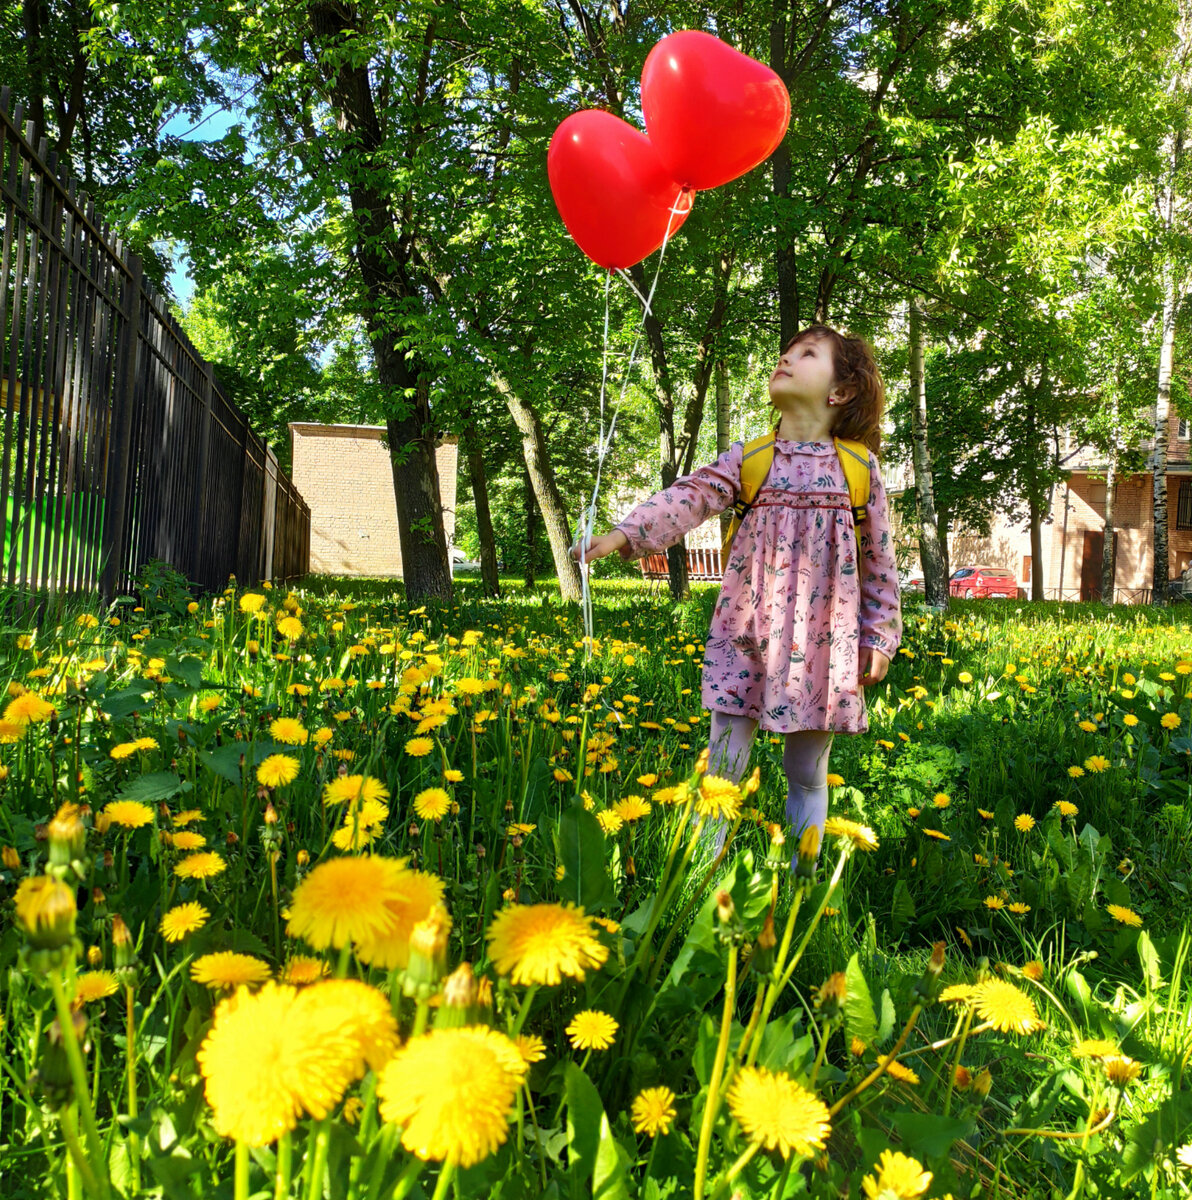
(545, 488)
(424, 565)
(932, 557)
(478, 480)
(1107, 556)
(531, 529)
(1034, 490)
(1162, 566)
(1036, 519)
(723, 429)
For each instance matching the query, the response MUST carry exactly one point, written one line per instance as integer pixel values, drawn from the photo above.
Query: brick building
(344, 474)
(1073, 540)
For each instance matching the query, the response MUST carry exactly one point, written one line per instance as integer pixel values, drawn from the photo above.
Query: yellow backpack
(756, 461)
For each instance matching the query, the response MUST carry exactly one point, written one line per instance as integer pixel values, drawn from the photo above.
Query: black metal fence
(118, 445)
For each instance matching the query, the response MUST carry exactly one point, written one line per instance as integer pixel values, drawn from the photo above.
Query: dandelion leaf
(585, 1114)
(902, 911)
(610, 1177)
(579, 844)
(885, 1029)
(930, 1135)
(157, 785)
(1149, 957)
(859, 1021)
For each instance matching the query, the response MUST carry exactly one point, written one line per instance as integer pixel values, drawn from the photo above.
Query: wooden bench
(703, 566)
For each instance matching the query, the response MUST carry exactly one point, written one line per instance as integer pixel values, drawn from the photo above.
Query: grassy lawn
(985, 972)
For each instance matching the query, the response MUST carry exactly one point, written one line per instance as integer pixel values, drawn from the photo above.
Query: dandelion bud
(428, 954)
(102, 823)
(232, 838)
(99, 902)
(725, 910)
(67, 836)
(484, 996)
(829, 997)
(928, 985)
(763, 949)
(46, 912)
(94, 957)
(10, 858)
(983, 1082)
(807, 857)
(962, 1077)
(701, 763)
(460, 999)
(857, 1048)
(52, 1077)
(751, 785)
(303, 858)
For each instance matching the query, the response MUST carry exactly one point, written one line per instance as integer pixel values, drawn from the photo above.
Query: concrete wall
(344, 474)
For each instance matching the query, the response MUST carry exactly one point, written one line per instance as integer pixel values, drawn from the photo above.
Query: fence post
(114, 543)
(200, 492)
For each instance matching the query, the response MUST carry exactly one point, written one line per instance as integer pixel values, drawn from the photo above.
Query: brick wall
(344, 474)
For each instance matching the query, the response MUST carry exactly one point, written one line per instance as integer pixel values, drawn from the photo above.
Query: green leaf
(187, 670)
(1149, 958)
(148, 789)
(885, 1029)
(859, 1020)
(579, 844)
(930, 1135)
(610, 1179)
(585, 1115)
(124, 703)
(902, 911)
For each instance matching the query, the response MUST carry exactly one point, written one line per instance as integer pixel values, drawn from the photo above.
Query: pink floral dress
(793, 610)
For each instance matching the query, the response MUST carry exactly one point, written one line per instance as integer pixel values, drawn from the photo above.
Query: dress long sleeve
(662, 520)
(881, 608)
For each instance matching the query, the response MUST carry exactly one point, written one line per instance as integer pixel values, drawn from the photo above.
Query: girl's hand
(602, 544)
(873, 667)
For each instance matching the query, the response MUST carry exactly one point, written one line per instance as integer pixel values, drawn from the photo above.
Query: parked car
(980, 583)
(912, 581)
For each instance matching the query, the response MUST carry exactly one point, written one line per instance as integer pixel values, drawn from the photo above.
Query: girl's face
(804, 373)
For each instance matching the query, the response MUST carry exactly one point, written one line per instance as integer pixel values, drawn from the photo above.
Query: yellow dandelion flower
(452, 1091)
(1121, 1069)
(432, 804)
(1075, 772)
(778, 1112)
(653, 1111)
(1167, 720)
(994, 902)
(896, 1070)
(1019, 908)
(957, 992)
(632, 808)
(277, 770)
(1095, 1048)
(897, 1175)
(183, 919)
(1067, 809)
(289, 730)
(416, 894)
(718, 797)
(28, 708)
(1096, 764)
(835, 780)
(1024, 822)
(251, 602)
(226, 970)
(941, 800)
(354, 789)
(95, 985)
(128, 814)
(343, 900)
(531, 1047)
(1126, 916)
(1089, 726)
(187, 817)
(420, 747)
(935, 833)
(592, 1030)
(186, 841)
(541, 943)
(204, 865)
(123, 750)
(610, 821)
(860, 837)
(1006, 1007)
(290, 628)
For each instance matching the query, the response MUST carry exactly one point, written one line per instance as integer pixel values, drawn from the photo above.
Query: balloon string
(605, 442)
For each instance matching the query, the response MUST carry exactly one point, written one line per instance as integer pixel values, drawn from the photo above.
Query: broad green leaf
(859, 1020)
(580, 848)
(929, 1135)
(610, 1178)
(148, 789)
(585, 1114)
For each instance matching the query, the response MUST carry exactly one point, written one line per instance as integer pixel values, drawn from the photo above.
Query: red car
(980, 583)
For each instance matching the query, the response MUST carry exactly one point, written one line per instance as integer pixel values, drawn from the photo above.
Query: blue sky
(211, 126)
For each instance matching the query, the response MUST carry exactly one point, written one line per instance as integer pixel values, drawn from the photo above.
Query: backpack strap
(854, 458)
(757, 457)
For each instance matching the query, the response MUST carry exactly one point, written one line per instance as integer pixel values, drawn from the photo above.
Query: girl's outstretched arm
(881, 606)
(662, 520)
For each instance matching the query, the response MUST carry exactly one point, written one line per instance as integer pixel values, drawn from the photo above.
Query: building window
(1183, 505)
(1182, 431)
(1026, 568)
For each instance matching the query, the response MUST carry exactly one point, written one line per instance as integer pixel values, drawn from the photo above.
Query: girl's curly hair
(855, 368)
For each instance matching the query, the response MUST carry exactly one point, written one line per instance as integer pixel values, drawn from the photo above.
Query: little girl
(800, 628)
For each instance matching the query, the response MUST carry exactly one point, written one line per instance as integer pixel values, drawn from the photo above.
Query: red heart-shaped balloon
(712, 113)
(613, 194)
